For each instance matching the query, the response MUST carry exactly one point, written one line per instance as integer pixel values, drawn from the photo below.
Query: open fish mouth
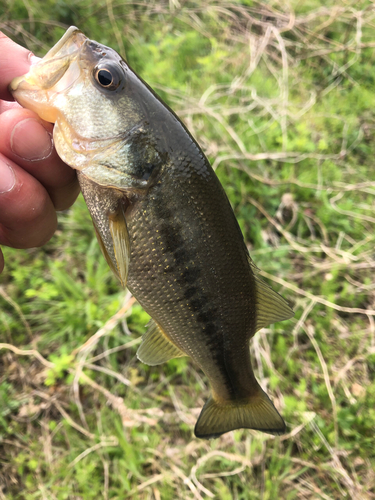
(57, 71)
(72, 41)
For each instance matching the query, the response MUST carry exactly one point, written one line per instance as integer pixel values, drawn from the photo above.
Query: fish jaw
(52, 75)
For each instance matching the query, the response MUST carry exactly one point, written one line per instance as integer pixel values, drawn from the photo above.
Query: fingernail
(30, 140)
(7, 177)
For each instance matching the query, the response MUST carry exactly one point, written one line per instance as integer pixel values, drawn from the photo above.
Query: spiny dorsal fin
(258, 412)
(156, 348)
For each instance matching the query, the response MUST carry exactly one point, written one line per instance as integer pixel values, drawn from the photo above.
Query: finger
(14, 61)
(27, 215)
(27, 140)
(5, 105)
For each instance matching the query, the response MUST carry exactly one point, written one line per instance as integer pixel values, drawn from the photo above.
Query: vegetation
(281, 97)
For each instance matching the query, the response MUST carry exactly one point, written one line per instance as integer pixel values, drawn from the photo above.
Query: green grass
(283, 106)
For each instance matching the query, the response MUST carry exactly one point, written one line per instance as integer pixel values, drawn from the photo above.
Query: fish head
(95, 101)
(101, 110)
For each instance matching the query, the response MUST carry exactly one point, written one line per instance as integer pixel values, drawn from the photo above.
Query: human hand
(34, 181)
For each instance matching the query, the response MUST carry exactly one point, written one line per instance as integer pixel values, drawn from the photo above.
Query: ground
(281, 99)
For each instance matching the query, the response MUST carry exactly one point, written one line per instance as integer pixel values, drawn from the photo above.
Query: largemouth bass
(163, 221)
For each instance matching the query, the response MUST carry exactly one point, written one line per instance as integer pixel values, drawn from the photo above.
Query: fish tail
(258, 412)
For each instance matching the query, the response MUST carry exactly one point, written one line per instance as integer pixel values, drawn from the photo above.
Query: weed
(281, 100)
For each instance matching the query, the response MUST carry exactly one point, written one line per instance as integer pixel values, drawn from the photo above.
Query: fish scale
(215, 274)
(163, 222)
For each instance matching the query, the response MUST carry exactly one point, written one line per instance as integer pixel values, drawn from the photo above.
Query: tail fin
(257, 413)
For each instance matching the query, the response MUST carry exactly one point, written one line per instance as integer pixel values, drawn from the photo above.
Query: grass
(281, 100)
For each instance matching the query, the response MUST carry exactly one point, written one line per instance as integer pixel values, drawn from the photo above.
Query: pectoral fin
(116, 250)
(156, 348)
(121, 244)
(105, 253)
(107, 209)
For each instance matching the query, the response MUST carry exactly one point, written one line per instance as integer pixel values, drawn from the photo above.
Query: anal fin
(156, 348)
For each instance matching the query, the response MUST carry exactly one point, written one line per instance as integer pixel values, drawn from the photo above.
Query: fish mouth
(71, 41)
(57, 71)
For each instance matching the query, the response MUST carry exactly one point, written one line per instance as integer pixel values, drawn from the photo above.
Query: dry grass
(322, 272)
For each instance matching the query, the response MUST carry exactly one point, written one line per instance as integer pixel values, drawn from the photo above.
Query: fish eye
(108, 76)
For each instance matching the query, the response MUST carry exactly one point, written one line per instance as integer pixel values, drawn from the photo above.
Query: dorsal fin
(271, 307)
(156, 348)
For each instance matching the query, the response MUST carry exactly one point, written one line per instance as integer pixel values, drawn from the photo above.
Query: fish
(163, 222)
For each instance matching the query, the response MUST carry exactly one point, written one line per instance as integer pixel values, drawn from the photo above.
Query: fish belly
(189, 269)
